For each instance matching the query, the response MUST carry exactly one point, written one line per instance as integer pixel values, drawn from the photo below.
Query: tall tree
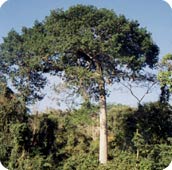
(97, 47)
(90, 47)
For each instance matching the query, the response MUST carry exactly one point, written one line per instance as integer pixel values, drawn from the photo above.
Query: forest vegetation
(89, 49)
(137, 138)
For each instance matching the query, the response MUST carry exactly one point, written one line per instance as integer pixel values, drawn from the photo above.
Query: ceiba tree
(90, 47)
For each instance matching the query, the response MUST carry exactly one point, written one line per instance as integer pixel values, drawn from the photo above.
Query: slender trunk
(103, 143)
(103, 149)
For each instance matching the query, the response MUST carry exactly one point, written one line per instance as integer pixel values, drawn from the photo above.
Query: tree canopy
(21, 64)
(81, 37)
(88, 38)
(87, 46)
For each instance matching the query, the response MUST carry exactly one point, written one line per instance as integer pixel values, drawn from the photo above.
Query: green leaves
(21, 62)
(82, 36)
(165, 73)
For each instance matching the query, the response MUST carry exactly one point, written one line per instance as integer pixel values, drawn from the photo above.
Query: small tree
(165, 77)
(91, 48)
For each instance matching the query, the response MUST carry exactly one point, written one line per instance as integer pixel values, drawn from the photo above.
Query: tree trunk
(103, 151)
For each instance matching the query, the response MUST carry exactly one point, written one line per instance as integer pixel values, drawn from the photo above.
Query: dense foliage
(138, 138)
(164, 75)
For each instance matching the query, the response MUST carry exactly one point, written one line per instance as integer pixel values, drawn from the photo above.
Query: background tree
(164, 77)
(165, 94)
(147, 86)
(20, 62)
(90, 47)
(12, 110)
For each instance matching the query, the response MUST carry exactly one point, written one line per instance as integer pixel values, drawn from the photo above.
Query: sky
(154, 15)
